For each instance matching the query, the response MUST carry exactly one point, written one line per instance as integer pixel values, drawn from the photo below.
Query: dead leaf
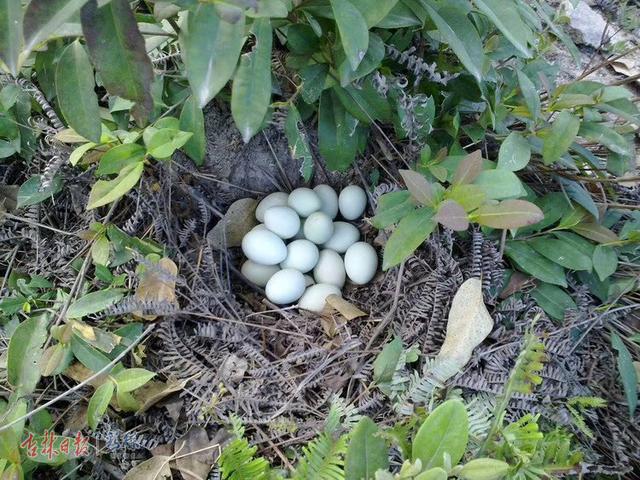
(239, 219)
(80, 373)
(626, 68)
(346, 309)
(96, 337)
(154, 391)
(195, 466)
(69, 135)
(9, 197)
(157, 285)
(156, 468)
(517, 282)
(233, 368)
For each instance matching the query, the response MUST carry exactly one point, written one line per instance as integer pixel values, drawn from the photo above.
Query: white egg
(344, 235)
(330, 269)
(308, 280)
(352, 202)
(285, 286)
(264, 247)
(315, 296)
(301, 255)
(328, 199)
(260, 226)
(258, 274)
(361, 262)
(274, 199)
(318, 227)
(283, 221)
(300, 234)
(304, 201)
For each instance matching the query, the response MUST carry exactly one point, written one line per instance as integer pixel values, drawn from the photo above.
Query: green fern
(576, 407)
(238, 461)
(323, 459)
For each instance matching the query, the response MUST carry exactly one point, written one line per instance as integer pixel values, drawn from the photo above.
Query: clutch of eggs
(301, 252)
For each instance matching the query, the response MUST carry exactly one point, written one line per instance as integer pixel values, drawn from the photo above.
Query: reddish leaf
(469, 168)
(418, 186)
(452, 215)
(508, 214)
(595, 232)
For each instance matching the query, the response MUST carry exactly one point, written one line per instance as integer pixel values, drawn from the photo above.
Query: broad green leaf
(419, 187)
(580, 195)
(561, 252)
(107, 191)
(514, 153)
(11, 34)
(364, 103)
(251, 91)
(122, 61)
(371, 61)
(374, 11)
(435, 473)
(400, 16)
(396, 207)
(30, 192)
(578, 243)
(563, 132)
(120, 157)
(469, 196)
(43, 17)
(162, 143)
(534, 264)
(79, 152)
(600, 133)
(354, 33)
(484, 469)
(10, 437)
(627, 373)
(500, 184)
(209, 69)
(313, 78)
(468, 169)
(553, 205)
(412, 230)
(192, 120)
(298, 145)
(269, 9)
(23, 355)
(504, 14)
(596, 232)
(553, 300)
(99, 403)
(94, 302)
(530, 94)
(508, 214)
(461, 35)
(385, 363)
(446, 430)
(100, 250)
(301, 39)
(367, 452)
(452, 215)
(89, 356)
(337, 139)
(132, 378)
(605, 261)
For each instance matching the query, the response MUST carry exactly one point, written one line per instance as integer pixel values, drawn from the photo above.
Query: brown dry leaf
(196, 466)
(77, 419)
(239, 219)
(626, 68)
(158, 285)
(96, 337)
(156, 468)
(8, 197)
(347, 310)
(152, 392)
(80, 373)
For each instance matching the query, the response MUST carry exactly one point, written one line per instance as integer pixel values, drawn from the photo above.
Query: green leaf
(504, 14)
(530, 94)
(364, 103)
(298, 144)
(561, 252)
(533, 263)
(600, 133)
(553, 300)
(374, 11)
(107, 191)
(500, 184)
(337, 139)
(461, 35)
(43, 17)
(563, 132)
(11, 34)
(514, 153)
(469, 196)
(122, 61)
(100, 250)
(508, 214)
(435, 473)
(11, 436)
(412, 230)
(162, 142)
(367, 452)
(578, 243)
(313, 78)
(192, 120)
(605, 261)
(251, 91)
(94, 302)
(596, 232)
(119, 157)
(99, 403)
(580, 195)
(132, 378)
(79, 152)
(269, 8)
(209, 69)
(30, 192)
(90, 357)
(392, 207)
(371, 61)
(385, 363)
(446, 430)
(354, 33)
(627, 373)
(484, 469)
(25, 350)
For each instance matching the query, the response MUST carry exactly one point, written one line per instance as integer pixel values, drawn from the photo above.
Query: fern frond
(323, 459)
(342, 416)
(238, 462)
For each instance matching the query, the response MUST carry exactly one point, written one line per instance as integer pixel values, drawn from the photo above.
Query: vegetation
(469, 131)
